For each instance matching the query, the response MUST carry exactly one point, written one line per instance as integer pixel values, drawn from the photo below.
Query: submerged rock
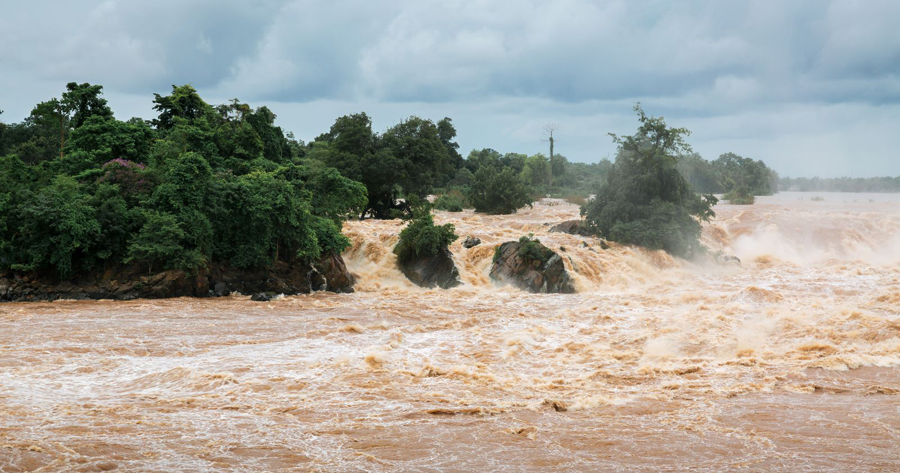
(529, 265)
(722, 258)
(220, 289)
(261, 297)
(432, 270)
(572, 227)
(471, 241)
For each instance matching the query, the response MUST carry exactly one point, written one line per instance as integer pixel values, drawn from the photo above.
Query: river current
(787, 362)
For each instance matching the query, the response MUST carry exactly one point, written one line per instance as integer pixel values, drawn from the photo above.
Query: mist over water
(788, 362)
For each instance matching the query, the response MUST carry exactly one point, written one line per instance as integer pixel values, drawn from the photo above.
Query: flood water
(788, 362)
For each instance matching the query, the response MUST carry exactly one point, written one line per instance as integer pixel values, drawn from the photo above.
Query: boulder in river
(529, 265)
(572, 227)
(722, 258)
(436, 270)
(471, 241)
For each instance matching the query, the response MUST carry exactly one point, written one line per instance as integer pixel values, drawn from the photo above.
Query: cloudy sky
(810, 87)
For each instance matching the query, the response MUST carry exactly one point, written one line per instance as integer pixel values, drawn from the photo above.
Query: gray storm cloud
(811, 87)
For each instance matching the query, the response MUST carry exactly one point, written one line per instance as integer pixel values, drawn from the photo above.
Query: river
(788, 362)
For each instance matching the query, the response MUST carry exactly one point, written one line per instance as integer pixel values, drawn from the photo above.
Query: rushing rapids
(790, 361)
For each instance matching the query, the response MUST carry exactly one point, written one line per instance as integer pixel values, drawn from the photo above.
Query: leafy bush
(532, 249)
(645, 199)
(422, 237)
(740, 196)
(498, 191)
(452, 201)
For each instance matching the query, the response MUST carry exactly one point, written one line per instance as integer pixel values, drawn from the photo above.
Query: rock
(572, 227)
(432, 270)
(337, 278)
(220, 289)
(531, 266)
(128, 282)
(261, 297)
(722, 258)
(604, 245)
(471, 241)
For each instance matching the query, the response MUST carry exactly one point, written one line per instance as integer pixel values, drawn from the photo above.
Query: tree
(421, 237)
(58, 229)
(645, 200)
(498, 191)
(184, 102)
(101, 139)
(550, 128)
(160, 239)
(83, 101)
(408, 159)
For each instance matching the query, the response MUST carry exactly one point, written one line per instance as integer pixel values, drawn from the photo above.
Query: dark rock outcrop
(432, 270)
(332, 268)
(531, 266)
(722, 258)
(261, 297)
(471, 241)
(572, 227)
(132, 282)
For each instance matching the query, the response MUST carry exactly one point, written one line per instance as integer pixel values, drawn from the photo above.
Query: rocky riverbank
(132, 282)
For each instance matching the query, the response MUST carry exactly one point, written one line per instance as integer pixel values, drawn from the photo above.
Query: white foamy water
(788, 362)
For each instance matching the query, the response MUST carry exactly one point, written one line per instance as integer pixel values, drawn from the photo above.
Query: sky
(810, 87)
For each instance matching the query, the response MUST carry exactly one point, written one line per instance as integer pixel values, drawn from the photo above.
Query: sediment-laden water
(788, 362)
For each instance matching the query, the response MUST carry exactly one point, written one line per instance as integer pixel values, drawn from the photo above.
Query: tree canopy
(645, 199)
(197, 185)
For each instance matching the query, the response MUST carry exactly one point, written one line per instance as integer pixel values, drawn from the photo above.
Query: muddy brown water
(788, 362)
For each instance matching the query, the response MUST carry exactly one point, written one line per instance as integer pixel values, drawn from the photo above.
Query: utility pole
(550, 128)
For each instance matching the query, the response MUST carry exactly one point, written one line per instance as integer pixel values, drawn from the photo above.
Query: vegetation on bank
(200, 184)
(840, 184)
(81, 190)
(740, 196)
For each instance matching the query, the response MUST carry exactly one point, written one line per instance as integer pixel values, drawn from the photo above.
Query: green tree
(57, 229)
(421, 237)
(184, 102)
(645, 200)
(498, 191)
(160, 239)
(82, 101)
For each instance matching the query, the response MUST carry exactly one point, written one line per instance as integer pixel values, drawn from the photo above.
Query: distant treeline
(729, 173)
(840, 184)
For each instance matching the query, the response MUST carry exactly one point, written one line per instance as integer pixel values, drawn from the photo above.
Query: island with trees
(212, 199)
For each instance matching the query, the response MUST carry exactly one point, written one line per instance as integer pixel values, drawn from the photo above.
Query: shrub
(740, 196)
(532, 249)
(452, 201)
(498, 191)
(422, 237)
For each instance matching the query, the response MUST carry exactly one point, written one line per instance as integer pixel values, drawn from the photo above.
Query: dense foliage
(841, 184)
(81, 190)
(421, 237)
(645, 199)
(407, 160)
(729, 173)
(740, 196)
(452, 201)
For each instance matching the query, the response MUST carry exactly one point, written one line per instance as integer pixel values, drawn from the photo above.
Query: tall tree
(645, 199)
